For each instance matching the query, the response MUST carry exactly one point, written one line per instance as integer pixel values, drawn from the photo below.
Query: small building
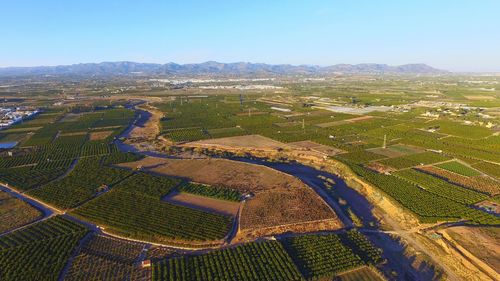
(146, 263)
(281, 109)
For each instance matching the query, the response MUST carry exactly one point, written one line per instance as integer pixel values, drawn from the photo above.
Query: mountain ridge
(213, 67)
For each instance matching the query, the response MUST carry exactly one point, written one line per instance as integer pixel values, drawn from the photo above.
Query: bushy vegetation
(121, 157)
(218, 192)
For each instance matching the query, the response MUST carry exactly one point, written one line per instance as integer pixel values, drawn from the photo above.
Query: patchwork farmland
(340, 179)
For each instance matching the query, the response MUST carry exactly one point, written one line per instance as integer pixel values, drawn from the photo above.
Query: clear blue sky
(450, 34)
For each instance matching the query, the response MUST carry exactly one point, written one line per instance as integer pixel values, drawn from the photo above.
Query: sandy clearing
(482, 97)
(345, 121)
(204, 203)
(99, 135)
(482, 242)
(73, 134)
(310, 145)
(104, 128)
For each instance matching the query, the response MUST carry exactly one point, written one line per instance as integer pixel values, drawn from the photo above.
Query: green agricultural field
(105, 258)
(252, 261)
(26, 178)
(427, 206)
(437, 136)
(488, 168)
(461, 130)
(211, 191)
(458, 168)
(361, 156)
(86, 180)
(412, 160)
(320, 256)
(40, 251)
(133, 208)
(442, 188)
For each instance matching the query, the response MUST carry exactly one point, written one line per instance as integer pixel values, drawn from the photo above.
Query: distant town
(11, 115)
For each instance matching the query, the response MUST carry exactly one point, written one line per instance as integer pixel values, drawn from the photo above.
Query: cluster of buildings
(10, 116)
(241, 87)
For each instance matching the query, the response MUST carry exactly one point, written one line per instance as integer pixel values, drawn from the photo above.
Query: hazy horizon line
(249, 62)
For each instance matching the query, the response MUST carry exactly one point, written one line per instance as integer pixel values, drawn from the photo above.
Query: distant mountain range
(217, 68)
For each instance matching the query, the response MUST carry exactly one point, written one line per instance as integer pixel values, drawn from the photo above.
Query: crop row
(87, 179)
(427, 206)
(26, 178)
(458, 168)
(319, 256)
(442, 188)
(479, 183)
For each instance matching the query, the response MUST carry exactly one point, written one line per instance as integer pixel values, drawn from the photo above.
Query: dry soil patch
(204, 203)
(278, 199)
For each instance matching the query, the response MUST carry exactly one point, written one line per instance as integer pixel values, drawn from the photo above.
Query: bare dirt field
(278, 198)
(309, 145)
(267, 208)
(379, 168)
(346, 121)
(15, 213)
(72, 134)
(483, 97)
(361, 274)
(204, 203)
(241, 142)
(252, 113)
(258, 144)
(99, 135)
(482, 242)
